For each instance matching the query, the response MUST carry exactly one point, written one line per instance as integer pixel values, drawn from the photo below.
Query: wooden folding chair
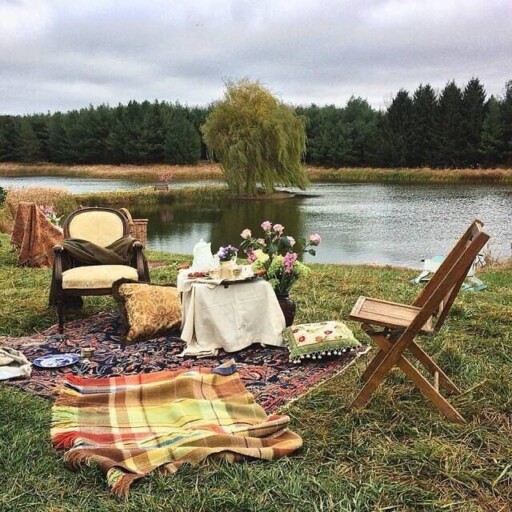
(402, 323)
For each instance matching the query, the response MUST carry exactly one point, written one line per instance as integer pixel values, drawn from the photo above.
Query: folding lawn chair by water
(402, 323)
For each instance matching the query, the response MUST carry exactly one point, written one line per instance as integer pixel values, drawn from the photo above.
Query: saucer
(56, 360)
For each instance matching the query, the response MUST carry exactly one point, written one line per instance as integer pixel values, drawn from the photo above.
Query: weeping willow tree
(258, 140)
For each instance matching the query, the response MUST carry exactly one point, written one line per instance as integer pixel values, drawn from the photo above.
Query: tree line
(453, 128)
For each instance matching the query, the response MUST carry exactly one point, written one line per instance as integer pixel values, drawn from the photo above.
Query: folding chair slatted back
(471, 242)
(436, 299)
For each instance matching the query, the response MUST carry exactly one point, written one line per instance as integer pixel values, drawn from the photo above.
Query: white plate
(56, 360)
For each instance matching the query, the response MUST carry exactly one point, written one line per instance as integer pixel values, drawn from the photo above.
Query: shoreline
(211, 171)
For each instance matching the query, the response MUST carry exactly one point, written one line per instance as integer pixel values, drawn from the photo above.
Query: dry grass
(505, 264)
(62, 201)
(148, 173)
(420, 175)
(151, 173)
(5, 222)
(49, 196)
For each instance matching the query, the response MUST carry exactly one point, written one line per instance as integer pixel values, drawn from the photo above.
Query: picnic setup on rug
(203, 367)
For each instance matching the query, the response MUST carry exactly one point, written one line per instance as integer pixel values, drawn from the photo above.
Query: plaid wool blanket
(132, 425)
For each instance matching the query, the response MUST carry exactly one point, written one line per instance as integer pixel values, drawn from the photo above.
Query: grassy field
(397, 454)
(151, 173)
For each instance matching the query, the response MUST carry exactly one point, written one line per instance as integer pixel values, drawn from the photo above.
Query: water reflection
(177, 228)
(359, 223)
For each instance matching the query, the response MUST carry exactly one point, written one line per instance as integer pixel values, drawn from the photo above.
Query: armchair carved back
(102, 226)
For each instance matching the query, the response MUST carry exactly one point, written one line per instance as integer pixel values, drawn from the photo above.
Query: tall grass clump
(61, 200)
(146, 195)
(416, 175)
(141, 173)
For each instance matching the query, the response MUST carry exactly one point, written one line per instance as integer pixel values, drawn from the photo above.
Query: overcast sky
(65, 54)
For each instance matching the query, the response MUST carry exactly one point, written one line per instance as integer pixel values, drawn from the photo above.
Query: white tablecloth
(230, 318)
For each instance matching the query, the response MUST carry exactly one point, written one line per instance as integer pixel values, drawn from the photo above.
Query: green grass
(147, 195)
(396, 454)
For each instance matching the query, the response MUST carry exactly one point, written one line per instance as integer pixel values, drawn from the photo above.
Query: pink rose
(266, 225)
(291, 240)
(315, 239)
(289, 260)
(261, 241)
(278, 228)
(246, 233)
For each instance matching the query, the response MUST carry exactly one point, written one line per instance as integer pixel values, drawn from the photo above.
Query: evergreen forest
(453, 128)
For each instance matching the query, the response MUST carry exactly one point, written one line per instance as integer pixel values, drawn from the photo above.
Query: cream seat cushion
(97, 276)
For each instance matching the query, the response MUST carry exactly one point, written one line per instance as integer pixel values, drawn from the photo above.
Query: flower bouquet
(227, 253)
(275, 255)
(165, 178)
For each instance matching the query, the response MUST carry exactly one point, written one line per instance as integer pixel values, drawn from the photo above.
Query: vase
(288, 307)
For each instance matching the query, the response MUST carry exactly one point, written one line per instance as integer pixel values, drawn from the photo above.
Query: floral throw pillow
(320, 339)
(147, 310)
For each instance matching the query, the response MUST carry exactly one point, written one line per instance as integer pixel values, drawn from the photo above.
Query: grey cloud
(306, 51)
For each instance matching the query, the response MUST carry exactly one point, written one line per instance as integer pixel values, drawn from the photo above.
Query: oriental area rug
(265, 371)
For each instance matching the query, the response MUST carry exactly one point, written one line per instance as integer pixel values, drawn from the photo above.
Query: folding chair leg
(377, 359)
(418, 353)
(430, 392)
(433, 368)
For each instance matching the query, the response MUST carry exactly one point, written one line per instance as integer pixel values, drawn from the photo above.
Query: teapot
(203, 257)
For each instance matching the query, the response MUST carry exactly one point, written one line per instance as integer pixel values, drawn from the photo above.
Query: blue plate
(56, 360)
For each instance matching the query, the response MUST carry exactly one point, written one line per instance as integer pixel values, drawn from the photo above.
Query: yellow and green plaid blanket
(132, 425)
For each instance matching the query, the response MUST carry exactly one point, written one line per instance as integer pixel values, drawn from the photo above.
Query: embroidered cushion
(148, 310)
(320, 339)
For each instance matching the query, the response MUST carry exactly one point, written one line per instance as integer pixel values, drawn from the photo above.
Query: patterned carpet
(265, 371)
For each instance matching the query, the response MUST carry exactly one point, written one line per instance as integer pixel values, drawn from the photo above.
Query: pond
(359, 223)
(85, 185)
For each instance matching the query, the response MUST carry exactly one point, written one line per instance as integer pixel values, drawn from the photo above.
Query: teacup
(87, 352)
(215, 273)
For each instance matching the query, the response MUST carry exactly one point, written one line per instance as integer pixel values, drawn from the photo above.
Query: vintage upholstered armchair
(96, 251)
